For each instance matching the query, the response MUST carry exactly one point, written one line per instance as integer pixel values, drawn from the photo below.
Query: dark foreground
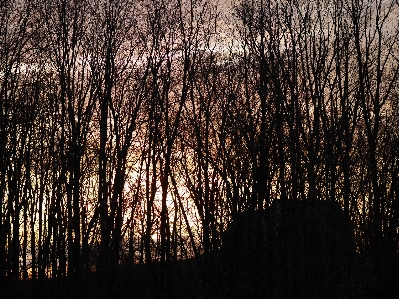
(297, 249)
(366, 280)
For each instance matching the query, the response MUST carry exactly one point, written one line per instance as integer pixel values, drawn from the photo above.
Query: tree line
(133, 132)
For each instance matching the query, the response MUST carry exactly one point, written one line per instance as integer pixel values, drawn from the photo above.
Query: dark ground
(309, 253)
(367, 280)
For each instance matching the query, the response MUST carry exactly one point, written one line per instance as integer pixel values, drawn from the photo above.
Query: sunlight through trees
(135, 132)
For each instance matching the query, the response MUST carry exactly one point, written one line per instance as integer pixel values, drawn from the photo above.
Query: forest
(137, 135)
